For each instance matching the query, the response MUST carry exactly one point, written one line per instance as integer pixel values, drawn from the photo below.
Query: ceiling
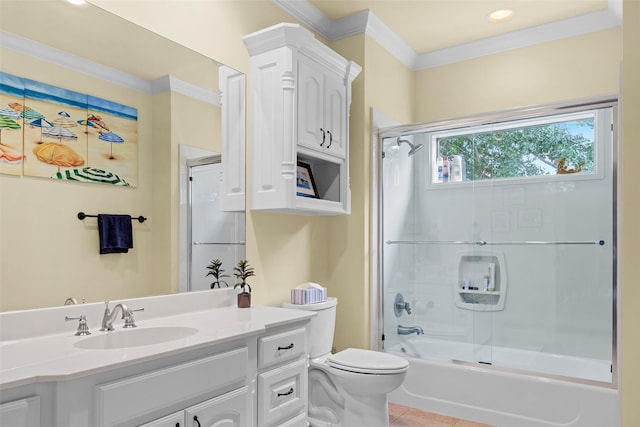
(426, 33)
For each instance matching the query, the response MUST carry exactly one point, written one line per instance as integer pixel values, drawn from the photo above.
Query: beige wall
(566, 69)
(629, 231)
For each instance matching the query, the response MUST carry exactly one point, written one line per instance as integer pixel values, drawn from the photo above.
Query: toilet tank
(321, 327)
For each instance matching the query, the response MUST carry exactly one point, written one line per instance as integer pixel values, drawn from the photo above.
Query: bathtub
(503, 397)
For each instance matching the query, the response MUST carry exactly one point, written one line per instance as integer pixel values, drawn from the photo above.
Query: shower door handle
(323, 136)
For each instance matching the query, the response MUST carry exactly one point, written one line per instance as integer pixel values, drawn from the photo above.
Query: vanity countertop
(56, 357)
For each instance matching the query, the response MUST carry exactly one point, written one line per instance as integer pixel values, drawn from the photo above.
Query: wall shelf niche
(469, 292)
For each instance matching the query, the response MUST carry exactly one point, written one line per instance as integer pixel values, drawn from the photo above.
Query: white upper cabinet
(322, 115)
(300, 98)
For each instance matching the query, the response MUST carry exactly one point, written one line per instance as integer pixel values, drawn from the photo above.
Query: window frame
(603, 133)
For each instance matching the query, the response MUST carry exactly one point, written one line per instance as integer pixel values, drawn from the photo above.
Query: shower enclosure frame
(384, 127)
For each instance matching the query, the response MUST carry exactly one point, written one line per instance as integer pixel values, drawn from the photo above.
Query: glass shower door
(213, 234)
(511, 264)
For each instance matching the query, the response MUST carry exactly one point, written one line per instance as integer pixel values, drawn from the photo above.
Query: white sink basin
(135, 337)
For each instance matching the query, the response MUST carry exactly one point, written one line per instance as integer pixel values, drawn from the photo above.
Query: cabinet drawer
(277, 348)
(282, 392)
(129, 398)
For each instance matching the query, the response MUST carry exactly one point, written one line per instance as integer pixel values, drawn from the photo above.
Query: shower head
(414, 148)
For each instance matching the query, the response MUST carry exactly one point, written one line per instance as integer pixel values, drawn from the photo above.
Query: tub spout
(407, 330)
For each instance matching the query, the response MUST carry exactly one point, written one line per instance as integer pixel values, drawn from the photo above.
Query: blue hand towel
(116, 233)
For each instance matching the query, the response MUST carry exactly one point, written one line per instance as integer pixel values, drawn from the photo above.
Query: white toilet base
(369, 411)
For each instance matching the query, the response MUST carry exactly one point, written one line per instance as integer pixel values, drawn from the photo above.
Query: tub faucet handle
(400, 305)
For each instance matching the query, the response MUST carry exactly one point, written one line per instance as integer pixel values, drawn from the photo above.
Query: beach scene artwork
(11, 125)
(71, 136)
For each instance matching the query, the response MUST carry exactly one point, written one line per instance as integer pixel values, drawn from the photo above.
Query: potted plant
(216, 272)
(242, 271)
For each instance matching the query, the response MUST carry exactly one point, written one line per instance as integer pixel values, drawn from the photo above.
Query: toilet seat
(367, 362)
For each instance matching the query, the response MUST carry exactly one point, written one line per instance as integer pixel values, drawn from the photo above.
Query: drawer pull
(323, 137)
(289, 347)
(286, 393)
(330, 139)
(195, 418)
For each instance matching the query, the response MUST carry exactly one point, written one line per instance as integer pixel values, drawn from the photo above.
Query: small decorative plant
(242, 271)
(217, 271)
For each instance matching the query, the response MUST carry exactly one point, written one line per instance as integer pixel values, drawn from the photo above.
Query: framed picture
(304, 181)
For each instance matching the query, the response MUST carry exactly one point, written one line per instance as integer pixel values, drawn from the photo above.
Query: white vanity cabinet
(300, 98)
(238, 367)
(282, 379)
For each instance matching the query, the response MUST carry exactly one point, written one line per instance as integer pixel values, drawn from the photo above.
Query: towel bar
(82, 215)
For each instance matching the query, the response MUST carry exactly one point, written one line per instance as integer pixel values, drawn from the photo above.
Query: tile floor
(403, 416)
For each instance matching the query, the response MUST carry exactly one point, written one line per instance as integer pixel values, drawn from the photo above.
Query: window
(559, 144)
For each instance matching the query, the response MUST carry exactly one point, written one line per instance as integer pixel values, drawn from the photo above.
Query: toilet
(349, 388)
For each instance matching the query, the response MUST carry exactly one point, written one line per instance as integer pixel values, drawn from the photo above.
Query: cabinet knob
(323, 137)
(330, 139)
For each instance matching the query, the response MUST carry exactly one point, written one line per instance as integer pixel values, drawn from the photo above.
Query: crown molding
(579, 25)
(170, 83)
(367, 22)
(76, 63)
(67, 60)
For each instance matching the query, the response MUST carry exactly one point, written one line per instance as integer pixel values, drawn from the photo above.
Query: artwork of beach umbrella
(59, 132)
(10, 114)
(86, 124)
(25, 112)
(63, 120)
(57, 154)
(30, 114)
(97, 121)
(7, 123)
(41, 123)
(112, 138)
(89, 174)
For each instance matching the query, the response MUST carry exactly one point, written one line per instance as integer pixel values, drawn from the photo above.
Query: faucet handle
(400, 305)
(129, 321)
(83, 328)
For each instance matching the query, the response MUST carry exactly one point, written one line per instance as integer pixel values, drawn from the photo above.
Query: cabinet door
(311, 132)
(21, 413)
(335, 116)
(229, 410)
(174, 420)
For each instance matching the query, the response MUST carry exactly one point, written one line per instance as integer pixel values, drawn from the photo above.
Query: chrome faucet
(110, 316)
(407, 330)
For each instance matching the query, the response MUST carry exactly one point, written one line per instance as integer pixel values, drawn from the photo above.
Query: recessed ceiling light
(501, 15)
(77, 2)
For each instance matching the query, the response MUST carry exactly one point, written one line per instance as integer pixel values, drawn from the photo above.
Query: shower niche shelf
(472, 267)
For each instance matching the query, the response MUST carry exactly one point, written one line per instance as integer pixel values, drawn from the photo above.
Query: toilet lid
(367, 362)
